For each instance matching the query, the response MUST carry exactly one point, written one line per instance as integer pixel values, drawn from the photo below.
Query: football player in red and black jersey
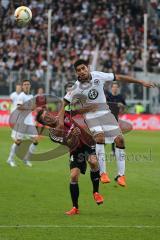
(82, 149)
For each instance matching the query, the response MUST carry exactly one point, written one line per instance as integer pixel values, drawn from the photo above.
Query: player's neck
(87, 80)
(27, 93)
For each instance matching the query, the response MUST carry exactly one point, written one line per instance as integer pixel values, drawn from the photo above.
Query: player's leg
(74, 191)
(30, 151)
(10, 159)
(95, 176)
(120, 157)
(95, 125)
(100, 152)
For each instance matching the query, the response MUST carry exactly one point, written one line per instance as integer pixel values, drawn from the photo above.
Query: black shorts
(79, 157)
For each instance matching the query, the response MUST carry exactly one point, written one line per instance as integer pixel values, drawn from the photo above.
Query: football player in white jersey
(102, 123)
(25, 125)
(14, 96)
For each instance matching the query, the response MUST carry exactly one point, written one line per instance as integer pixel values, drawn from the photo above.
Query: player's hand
(148, 84)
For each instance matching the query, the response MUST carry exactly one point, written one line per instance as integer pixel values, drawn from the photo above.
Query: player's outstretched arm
(61, 113)
(130, 79)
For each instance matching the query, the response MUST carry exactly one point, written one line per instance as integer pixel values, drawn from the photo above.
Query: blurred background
(121, 36)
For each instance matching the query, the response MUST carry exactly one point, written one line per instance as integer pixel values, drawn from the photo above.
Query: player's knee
(119, 141)
(94, 167)
(93, 161)
(35, 142)
(74, 176)
(18, 142)
(100, 138)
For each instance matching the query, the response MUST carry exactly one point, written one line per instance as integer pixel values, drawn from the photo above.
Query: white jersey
(23, 98)
(93, 91)
(14, 97)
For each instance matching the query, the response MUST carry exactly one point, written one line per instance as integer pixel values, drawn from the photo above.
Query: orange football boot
(73, 211)
(121, 180)
(104, 178)
(98, 198)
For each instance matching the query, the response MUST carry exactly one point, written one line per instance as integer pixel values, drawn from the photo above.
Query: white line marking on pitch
(77, 226)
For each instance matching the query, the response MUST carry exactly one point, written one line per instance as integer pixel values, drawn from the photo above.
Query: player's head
(40, 91)
(26, 86)
(46, 118)
(82, 70)
(115, 88)
(18, 88)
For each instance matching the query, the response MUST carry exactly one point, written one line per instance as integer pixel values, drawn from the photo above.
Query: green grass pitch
(33, 200)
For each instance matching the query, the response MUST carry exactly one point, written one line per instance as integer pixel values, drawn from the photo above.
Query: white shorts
(103, 122)
(21, 136)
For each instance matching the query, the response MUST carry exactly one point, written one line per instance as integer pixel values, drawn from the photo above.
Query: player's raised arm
(61, 112)
(130, 79)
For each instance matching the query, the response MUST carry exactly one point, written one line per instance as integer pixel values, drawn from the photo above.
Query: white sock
(31, 150)
(12, 153)
(100, 152)
(120, 157)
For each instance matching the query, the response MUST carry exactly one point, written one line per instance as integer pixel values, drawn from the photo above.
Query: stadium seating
(117, 26)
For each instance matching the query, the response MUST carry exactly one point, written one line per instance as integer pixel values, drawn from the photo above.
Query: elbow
(118, 77)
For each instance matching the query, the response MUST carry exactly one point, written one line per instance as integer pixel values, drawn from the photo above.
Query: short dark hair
(26, 80)
(18, 84)
(80, 62)
(115, 83)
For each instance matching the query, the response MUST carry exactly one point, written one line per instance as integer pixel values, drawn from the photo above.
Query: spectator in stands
(116, 102)
(117, 26)
(139, 108)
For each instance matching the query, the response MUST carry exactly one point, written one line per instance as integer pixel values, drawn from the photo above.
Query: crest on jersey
(96, 82)
(93, 94)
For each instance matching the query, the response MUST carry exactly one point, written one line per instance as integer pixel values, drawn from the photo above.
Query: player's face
(18, 88)
(40, 91)
(26, 87)
(49, 119)
(82, 73)
(115, 89)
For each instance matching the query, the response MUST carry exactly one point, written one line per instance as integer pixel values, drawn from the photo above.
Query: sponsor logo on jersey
(93, 94)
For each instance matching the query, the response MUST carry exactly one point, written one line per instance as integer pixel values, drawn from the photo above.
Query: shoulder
(21, 95)
(102, 75)
(120, 96)
(73, 88)
(12, 94)
(95, 74)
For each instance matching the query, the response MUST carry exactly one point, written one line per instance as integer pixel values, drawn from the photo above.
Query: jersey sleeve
(12, 97)
(104, 77)
(68, 97)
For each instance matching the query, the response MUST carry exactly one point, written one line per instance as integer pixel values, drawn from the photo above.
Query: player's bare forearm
(130, 79)
(86, 108)
(61, 113)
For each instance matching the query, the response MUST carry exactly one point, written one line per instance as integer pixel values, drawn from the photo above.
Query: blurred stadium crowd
(117, 26)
